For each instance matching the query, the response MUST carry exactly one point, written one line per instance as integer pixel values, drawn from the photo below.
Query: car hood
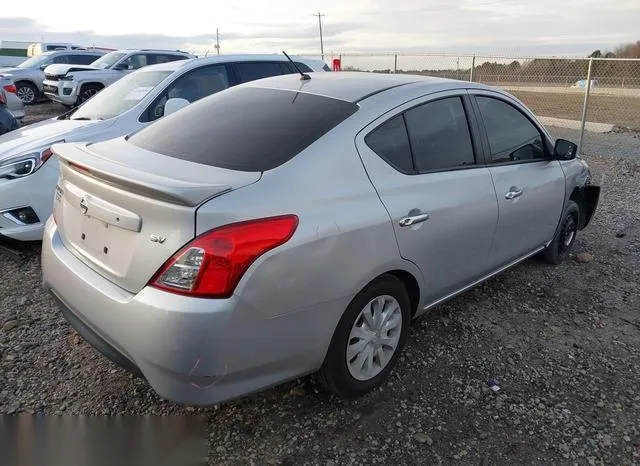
(33, 137)
(64, 69)
(9, 70)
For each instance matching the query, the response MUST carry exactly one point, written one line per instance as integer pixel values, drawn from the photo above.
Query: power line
(320, 15)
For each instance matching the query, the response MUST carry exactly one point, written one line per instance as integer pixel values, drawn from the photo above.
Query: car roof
(74, 52)
(353, 86)
(203, 61)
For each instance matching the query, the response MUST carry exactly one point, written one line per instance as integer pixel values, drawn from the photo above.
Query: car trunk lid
(124, 210)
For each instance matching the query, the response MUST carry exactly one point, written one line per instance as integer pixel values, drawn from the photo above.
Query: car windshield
(121, 96)
(108, 60)
(35, 62)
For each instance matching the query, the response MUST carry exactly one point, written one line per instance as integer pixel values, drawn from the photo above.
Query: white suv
(72, 85)
(28, 178)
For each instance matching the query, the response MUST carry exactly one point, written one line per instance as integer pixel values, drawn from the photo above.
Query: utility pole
(217, 46)
(319, 15)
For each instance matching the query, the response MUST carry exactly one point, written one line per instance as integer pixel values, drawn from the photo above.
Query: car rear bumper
(190, 350)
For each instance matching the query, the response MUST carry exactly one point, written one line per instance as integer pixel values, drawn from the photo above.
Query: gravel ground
(562, 343)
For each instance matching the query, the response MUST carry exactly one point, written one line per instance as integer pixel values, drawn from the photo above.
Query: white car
(28, 173)
(72, 84)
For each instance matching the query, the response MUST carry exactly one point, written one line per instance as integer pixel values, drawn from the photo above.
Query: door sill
(477, 282)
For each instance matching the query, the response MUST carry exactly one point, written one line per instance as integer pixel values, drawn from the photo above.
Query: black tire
(334, 373)
(562, 242)
(27, 92)
(87, 91)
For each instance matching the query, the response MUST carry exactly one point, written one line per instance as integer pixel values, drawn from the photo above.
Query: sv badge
(157, 239)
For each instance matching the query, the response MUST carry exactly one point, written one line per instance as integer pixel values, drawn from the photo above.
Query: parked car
(29, 74)
(14, 104)
(72, 85)
(287, 226)
(124, 107)
(8, 122)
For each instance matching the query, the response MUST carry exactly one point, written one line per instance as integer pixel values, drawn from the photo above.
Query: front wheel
(368, 339)
(27, 92)
(88, 91)
(560, 247)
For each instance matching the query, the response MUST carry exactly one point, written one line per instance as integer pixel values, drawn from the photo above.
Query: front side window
(108, 60)
(192, 86)
(439, 135)
(512, 136)
(137, 61)
(252, 71)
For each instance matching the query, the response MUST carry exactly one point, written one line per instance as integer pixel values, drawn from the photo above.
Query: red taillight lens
(11, 88)
(213, 263)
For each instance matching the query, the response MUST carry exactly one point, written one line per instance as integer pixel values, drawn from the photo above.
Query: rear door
(529, 184)
(422, 160)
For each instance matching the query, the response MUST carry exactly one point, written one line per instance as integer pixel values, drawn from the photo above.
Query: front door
(422, 162)
(530, 185)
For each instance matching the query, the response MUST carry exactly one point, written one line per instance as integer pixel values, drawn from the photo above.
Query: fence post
(395, 63)
(473, 67)
(584, 107)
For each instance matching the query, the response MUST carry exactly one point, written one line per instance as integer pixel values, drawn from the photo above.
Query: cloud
(516, 27)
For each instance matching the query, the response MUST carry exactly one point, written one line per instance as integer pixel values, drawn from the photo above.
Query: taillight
(212, 264)
(11, 88)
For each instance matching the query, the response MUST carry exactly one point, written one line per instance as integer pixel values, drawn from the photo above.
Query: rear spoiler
(77, 157)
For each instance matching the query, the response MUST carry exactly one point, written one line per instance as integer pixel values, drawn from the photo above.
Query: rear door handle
(413, 219)
(513, 193)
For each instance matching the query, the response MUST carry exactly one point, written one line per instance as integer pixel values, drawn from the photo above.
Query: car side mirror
(565, 150)
(121, 67)
(42, 67)
(175, 104)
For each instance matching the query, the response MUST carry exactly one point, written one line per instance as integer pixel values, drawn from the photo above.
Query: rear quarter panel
(344, 238)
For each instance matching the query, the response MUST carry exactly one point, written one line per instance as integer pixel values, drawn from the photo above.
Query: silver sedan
(297, 225)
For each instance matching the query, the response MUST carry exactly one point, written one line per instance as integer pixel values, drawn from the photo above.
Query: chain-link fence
(554, 88)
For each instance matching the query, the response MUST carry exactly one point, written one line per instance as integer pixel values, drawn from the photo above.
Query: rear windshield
(244, 128)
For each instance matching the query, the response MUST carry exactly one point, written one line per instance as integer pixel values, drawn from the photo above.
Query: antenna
(303, 76)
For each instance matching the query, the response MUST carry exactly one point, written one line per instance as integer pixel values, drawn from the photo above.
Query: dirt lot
(563, 344)
(619, 111)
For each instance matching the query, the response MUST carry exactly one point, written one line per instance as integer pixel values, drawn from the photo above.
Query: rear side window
(252, 71)
(244, 128)
(512, 137)
(391, 142)
(82, 59)
(439, 135)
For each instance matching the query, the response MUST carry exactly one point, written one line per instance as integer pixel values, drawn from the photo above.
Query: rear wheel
(562, 243)
(27, 92)
(368, 339)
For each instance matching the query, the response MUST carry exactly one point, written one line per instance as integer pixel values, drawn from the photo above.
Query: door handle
(413, 219)
(513, 193)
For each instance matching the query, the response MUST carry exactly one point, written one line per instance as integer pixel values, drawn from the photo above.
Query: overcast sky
(469, 26)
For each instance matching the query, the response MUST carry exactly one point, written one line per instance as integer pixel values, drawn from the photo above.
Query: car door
(421, 160)
(529, 183)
